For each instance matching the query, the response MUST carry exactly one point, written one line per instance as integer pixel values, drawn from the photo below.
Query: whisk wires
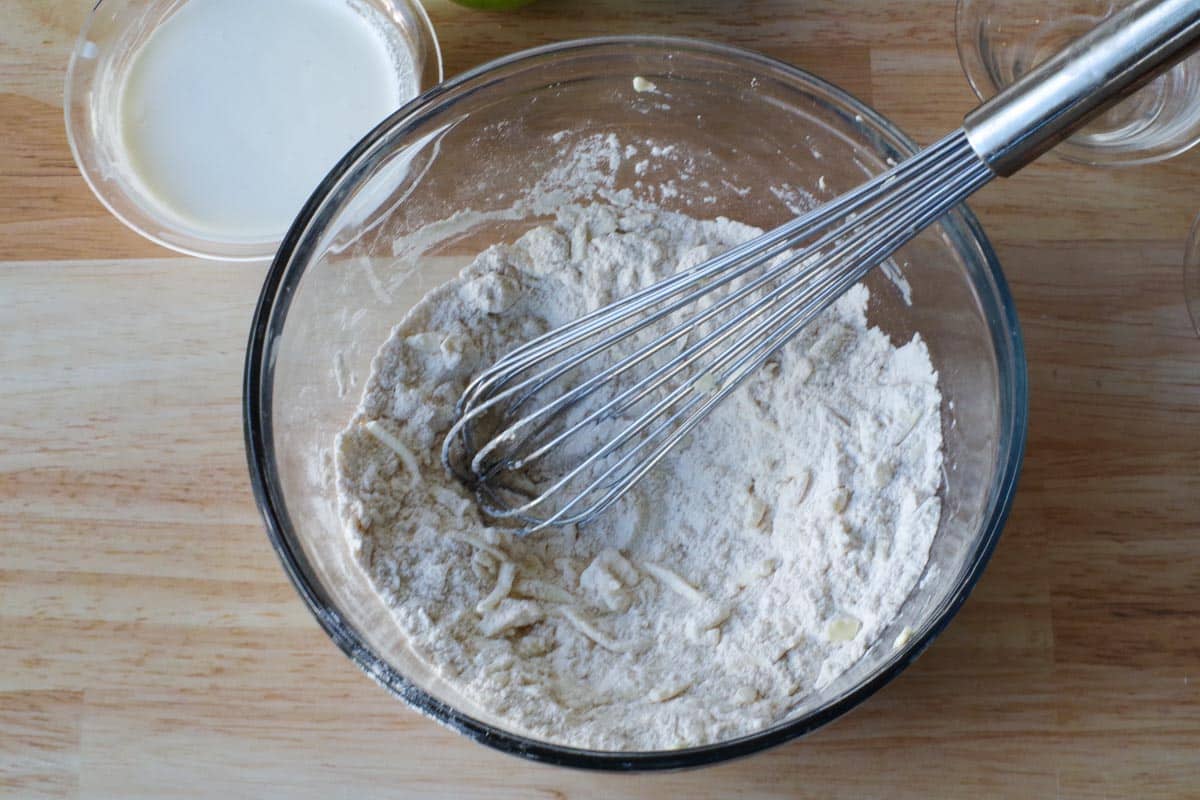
(559, 428)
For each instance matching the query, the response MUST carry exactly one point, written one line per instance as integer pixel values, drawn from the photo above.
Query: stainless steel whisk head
(558, 429)
(630, 380)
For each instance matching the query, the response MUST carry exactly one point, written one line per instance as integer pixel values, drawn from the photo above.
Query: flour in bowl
(751, 568)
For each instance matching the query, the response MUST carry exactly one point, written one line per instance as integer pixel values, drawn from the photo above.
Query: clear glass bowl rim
(141, 222)
(985, 87)
(288, 268)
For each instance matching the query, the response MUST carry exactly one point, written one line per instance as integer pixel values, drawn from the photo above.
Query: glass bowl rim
(199, 246)
(981, 80)
(288, 268)
(1191, 274)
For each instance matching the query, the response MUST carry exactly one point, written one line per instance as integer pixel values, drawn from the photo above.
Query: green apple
(494, 5)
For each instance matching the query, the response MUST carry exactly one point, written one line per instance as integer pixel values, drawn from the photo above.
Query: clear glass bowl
(109, 40)
(366, 248)
(999, 41)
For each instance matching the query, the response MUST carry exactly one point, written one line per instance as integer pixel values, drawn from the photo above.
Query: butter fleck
(640, 84)
(844, 629)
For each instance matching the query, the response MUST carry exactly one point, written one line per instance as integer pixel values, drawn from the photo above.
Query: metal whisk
(558, 429)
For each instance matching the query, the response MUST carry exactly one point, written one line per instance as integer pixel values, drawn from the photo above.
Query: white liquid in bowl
(234, 110)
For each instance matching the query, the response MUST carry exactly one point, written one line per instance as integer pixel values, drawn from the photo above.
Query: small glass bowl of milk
(204, 125)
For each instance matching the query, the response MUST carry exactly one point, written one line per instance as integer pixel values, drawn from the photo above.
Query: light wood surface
(151, 646)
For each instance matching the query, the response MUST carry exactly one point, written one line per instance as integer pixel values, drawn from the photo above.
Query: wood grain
(151, 647)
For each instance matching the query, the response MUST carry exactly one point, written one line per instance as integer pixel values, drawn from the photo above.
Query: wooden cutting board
(151, 647)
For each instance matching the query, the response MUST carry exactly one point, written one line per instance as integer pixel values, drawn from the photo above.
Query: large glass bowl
(755, 138)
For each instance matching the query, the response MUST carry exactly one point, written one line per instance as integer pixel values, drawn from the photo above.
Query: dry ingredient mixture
(753, 567)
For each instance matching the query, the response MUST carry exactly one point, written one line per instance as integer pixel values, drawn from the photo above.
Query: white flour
(753, 567)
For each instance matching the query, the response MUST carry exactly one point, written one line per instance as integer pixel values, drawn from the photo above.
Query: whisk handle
(1105, 65)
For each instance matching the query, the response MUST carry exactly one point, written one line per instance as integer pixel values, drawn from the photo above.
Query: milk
(233, 110)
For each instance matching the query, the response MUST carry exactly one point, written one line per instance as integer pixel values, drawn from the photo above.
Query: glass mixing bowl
(753, 140)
